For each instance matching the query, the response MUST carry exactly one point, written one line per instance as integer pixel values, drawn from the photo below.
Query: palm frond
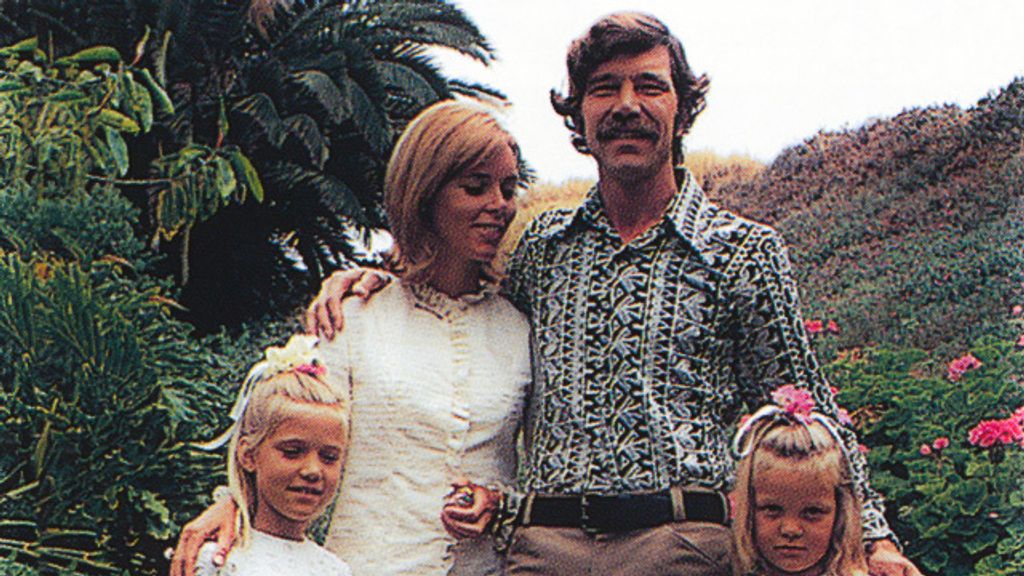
(305, 141)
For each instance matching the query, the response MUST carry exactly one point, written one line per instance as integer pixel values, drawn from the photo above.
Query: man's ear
(246, 455)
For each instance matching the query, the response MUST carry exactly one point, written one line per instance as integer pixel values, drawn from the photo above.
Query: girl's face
(794, 513)
(473, 210)
(297, 469)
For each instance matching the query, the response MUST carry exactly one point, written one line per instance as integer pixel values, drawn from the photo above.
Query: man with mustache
(655, 317)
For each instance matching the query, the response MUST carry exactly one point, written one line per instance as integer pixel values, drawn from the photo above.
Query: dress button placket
(460, 421)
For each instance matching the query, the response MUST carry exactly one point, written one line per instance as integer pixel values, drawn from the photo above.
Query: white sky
(780, 69)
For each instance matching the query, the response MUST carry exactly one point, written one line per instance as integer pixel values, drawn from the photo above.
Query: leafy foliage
(312, 93)
(101, 391)
(958, 509)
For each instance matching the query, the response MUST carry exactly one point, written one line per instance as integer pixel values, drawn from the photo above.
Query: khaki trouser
(674, 549)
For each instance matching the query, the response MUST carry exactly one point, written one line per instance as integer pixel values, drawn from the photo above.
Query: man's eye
(291, 452)
(508, 191)
(651, 89)
(473, 190)
(601, 90)
(329, 457)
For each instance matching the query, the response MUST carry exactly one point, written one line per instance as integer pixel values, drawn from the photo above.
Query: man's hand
(886, 560)
(219, 520)
(469, 509)
(324, 315)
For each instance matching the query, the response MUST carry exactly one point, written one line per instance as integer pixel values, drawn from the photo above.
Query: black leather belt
(624, 512)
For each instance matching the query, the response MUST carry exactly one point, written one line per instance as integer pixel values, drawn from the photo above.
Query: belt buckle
(585, 516)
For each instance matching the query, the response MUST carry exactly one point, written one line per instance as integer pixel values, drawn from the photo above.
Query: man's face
(629, 114)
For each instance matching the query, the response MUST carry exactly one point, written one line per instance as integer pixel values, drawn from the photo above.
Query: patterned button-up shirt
(645, 354)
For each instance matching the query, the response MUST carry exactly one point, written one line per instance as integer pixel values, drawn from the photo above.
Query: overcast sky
(780, 69)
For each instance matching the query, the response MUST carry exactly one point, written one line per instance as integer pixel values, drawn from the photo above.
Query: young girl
(284, 465)
(796, 512)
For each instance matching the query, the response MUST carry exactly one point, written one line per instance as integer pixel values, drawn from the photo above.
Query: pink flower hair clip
(796, 402)
(791, 404)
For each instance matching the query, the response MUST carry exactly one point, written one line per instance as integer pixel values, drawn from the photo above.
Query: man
(655, 316)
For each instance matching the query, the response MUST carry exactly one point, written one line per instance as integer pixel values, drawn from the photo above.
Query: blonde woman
(437, 363)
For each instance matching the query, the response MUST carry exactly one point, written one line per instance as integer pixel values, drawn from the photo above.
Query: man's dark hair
(628, 33)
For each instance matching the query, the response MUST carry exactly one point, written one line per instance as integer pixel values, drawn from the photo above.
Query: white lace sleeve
(204, 561)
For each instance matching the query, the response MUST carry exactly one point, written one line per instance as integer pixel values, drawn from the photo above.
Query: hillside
(908, 230)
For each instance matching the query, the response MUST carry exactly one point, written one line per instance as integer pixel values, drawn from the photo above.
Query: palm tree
(311, 92)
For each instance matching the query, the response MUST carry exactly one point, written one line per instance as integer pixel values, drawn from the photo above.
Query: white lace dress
(438, 386)
(269, 555)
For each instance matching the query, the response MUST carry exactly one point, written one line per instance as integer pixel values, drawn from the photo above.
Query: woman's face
(473, 210)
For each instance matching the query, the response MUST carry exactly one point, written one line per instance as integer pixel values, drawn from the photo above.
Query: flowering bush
(995, 432)
(958, 367)
(944, 452)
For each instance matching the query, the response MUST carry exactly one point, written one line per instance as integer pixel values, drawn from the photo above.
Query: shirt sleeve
(516, 284)
(773, 350)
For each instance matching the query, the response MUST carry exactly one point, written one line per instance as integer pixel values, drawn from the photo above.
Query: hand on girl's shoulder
(309, 559)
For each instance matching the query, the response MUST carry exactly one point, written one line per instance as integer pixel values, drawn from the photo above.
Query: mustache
(634, 129)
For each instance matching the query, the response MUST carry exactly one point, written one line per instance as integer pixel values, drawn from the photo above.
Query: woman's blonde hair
(811, 445)
(271, 402)
(445, 139)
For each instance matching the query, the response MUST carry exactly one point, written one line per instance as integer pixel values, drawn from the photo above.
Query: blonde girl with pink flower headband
(796, 510)
(286, 450)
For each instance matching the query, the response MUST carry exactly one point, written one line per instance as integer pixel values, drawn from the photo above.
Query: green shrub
(957, 509)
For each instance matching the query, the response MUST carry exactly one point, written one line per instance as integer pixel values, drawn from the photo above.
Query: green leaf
(93, 55)
(10, 85)
(140, 46)
(118, 121)
(68, 95)
(163, 101)
(304, 133)
(225, 180)
(260, 113)
(118, 150)
(317, 89)
(26, 46)
(142, 104)
(970, 495)
(245, 171)
(979, 542)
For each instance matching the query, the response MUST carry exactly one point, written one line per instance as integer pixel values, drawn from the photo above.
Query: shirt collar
(685, 214)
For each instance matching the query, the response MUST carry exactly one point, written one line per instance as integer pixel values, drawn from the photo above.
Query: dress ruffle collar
(443, 305)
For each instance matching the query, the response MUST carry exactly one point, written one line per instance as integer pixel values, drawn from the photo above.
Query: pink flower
(863, 449)
(813, 326)
(832, 327)
(990, 432)
(844, 417)
(940, 443)
(1017, 310)
(1020, 341)
(1018, 415)
(925, 450)
(958, 367)
(795, 401)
